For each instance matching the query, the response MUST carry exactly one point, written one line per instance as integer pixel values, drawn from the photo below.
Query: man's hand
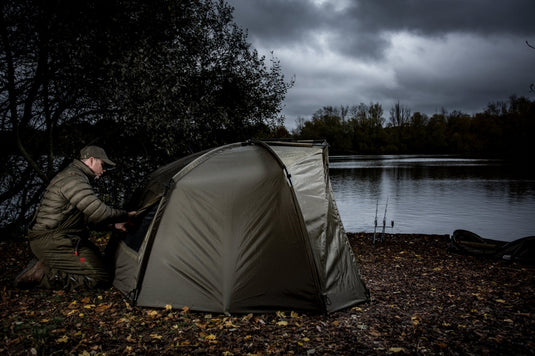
(122, 225)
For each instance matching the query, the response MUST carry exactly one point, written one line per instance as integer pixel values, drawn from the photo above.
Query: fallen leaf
(396, 349)
(374, 332)
(229, 324)
(102, 307)
(247, 317)
(152, 313)
(63, 339)
(442, 345)
(211, 339)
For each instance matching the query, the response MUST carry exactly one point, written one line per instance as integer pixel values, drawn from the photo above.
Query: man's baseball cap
(96, 152)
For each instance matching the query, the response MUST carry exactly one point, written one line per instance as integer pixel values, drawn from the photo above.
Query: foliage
(150, 82)
(365, 126)
(328, 122)
(504, 130)
(206, 86)
(425, 300)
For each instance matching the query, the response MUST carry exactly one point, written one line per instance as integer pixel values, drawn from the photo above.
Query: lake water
(434, 195)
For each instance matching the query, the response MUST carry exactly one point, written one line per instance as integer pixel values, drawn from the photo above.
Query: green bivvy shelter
(246, 227)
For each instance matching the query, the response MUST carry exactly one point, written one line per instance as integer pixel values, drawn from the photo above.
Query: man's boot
(32, 275)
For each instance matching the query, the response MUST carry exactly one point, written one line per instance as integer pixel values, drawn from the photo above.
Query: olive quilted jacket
(69, 195)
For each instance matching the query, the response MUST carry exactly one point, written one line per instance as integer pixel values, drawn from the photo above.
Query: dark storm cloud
(442, 16)
(364, 21)
(429, 54)
(277, 21)
(360, 24)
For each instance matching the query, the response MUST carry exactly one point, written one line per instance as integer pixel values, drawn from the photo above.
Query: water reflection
(435, 194)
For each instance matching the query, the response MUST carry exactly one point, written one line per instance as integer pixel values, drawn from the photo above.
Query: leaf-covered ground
(425, 300)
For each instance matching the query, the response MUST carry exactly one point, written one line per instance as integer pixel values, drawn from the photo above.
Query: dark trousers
(73, 262)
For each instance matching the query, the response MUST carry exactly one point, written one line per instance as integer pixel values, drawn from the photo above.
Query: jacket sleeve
(81, 195)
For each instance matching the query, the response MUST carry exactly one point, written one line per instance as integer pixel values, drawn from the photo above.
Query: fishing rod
(384, 223)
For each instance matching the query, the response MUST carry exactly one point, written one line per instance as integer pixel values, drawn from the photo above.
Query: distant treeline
(504, 129)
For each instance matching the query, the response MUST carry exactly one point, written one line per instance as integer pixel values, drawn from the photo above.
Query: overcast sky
(426, 54)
